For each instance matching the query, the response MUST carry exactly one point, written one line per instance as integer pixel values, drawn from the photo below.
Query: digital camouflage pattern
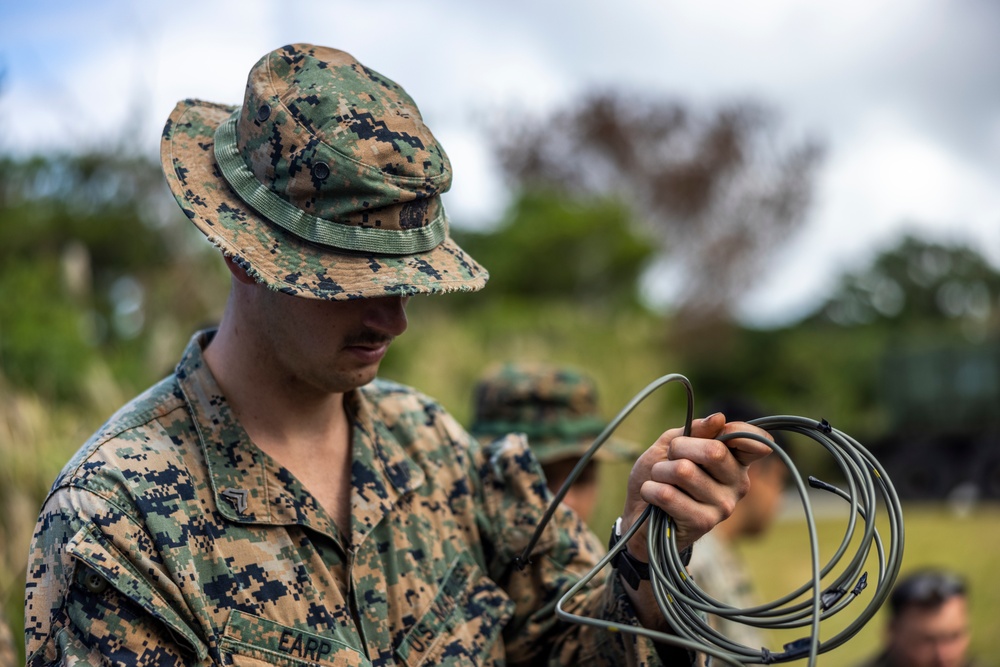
(555, 406)
(171, 539)
(324, 184)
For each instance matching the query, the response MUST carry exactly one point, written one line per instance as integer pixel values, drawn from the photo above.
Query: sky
(905, 94)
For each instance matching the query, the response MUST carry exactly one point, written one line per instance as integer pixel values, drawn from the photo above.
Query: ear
(238, 271)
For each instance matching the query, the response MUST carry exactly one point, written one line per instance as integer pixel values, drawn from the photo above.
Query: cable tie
(817, 483)
(766, 657)
(824, 426)
(831, 597)
(861, 585)
(796, 649)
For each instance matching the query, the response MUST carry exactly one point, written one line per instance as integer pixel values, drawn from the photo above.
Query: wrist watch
(633, 570)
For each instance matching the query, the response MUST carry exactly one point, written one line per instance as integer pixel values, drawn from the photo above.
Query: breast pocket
(464, 622)
(252, 641)
(119, 610)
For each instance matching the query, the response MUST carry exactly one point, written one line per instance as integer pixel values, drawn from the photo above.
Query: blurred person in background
(557, 408)
(7, 654)
(272, 500)
(716, 564)
(928, 623)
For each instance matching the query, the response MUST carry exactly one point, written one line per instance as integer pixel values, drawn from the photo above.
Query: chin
(340, 383)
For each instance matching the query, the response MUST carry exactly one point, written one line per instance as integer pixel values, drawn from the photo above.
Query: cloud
(903, 91)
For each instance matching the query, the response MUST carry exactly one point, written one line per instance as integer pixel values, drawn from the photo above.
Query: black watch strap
(633, 570)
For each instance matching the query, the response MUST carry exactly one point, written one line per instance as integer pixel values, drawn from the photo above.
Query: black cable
(685, 606)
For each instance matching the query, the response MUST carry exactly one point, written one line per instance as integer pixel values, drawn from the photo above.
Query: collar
(250, 487)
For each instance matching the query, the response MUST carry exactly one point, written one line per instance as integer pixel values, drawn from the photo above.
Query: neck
(278, 412)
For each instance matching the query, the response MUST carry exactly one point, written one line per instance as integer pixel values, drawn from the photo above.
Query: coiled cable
(685, 606)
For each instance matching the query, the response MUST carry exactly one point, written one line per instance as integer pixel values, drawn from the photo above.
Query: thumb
(708, 427)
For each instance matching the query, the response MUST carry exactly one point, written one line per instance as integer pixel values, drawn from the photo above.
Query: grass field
(934, 536)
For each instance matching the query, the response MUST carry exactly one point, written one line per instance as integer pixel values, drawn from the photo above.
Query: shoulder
(712, 562)
(143, 437)
(390, 398)
(410, 414)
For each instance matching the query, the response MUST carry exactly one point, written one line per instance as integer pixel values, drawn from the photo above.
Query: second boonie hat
(555, 406)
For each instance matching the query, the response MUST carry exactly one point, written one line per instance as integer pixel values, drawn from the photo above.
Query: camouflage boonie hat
(555, 406)
(325, 184)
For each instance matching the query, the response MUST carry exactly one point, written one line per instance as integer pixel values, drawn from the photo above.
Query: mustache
(368, 338)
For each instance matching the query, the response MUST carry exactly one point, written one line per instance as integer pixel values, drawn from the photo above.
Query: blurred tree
(919, 283)
(934, 306)
(95, 263)
(715, 187)
(557, 247)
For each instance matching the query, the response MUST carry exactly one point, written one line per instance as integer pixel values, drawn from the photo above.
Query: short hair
(925, 589)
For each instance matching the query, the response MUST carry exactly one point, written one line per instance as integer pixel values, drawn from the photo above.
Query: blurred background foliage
(720, 187)
(96, 272)
(103, 281)
(552, 247)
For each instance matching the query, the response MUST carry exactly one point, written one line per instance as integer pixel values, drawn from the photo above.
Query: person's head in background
(768, 478)
(556, 407)
(929, 621)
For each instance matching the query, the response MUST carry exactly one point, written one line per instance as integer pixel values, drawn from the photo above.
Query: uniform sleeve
(95, 593)
(514, 500)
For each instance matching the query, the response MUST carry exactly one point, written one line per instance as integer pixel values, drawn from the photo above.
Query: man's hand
(697, 480)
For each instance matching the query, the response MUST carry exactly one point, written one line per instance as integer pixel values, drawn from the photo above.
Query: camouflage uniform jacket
(718, 569)
(171, 539)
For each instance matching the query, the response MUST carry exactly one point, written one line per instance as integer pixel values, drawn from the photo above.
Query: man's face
(332, 346)
(762, 503)
(582, 496)
(931, 637)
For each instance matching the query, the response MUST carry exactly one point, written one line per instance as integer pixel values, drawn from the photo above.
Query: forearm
(636, 575)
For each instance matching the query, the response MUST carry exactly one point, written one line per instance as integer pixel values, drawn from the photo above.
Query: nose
(386, 315)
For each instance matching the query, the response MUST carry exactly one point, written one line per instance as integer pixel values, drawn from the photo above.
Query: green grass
(934, 536)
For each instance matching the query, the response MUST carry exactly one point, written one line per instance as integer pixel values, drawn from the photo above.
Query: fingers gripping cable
(686, 607)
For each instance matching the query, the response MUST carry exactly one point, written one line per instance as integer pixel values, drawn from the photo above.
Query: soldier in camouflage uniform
(271, 501)
(556, 408)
